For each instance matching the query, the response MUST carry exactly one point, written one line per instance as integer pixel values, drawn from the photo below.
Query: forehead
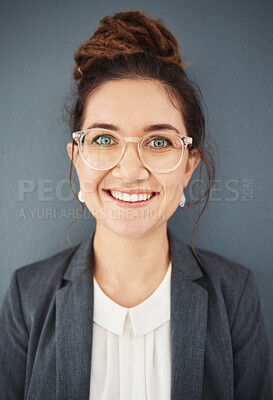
(129, 103)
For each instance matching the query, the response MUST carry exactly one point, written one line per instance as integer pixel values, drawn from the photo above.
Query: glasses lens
(101, 149)
(162, 152)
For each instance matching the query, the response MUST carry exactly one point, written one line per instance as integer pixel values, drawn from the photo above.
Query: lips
(133, 204)
(129, 201)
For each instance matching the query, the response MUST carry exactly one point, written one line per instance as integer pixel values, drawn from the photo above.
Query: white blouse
(131, 351)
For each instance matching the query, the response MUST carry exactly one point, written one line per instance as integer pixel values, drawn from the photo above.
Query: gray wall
(229, 46)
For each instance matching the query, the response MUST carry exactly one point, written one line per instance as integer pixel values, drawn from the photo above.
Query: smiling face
(132, 105)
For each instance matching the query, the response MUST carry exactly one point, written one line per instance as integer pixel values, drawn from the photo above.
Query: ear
(192, 163)
(69, 148)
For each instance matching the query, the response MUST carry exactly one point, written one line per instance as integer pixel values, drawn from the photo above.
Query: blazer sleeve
(13, 345)
(252, 378)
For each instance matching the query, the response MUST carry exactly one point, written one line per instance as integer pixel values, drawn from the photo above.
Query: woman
(133, 312)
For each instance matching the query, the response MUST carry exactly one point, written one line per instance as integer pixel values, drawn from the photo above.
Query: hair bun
(126, 32)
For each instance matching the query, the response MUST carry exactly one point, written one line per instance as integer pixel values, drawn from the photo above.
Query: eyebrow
(147, 128)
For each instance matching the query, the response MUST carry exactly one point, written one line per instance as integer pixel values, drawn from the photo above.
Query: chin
(130, 228)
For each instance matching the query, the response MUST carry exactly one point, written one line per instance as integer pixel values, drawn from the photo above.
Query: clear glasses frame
(78, 136)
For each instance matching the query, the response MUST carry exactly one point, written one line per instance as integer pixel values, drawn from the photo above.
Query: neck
(138, 264)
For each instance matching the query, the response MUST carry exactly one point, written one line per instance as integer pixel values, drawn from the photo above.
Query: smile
(131, 200)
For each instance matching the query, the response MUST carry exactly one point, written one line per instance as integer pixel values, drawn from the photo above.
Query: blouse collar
(145, 317)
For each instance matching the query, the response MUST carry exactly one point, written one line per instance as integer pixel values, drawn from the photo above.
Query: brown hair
(132, 45)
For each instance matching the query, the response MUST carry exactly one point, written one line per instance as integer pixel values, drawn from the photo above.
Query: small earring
(183, 201)
(80, 197)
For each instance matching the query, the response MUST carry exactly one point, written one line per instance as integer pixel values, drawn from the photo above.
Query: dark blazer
(219, 346)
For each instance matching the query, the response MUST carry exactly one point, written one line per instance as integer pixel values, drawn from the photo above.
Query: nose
(130, 168)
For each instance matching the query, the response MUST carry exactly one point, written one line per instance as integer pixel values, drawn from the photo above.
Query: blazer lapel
(188, 323)
(74, 326)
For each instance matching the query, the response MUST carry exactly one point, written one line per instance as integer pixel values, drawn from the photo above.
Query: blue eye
(159, 142)
(102, 139)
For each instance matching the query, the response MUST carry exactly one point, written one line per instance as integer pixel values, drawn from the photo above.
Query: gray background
(229, 47)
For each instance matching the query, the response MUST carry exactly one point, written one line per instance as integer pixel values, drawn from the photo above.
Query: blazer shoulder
(222, 269)
(45, 270)
(35, 285)
(31, 294)
(229, 283)
(213, 267)
(228, 278)
(220, 266)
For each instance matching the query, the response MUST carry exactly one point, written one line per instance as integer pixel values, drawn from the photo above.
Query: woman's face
(132, 105)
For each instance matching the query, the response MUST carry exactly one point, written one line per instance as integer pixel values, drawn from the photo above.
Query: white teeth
(131, 198)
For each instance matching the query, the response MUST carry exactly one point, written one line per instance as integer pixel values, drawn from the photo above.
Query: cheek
(172, 194)
(173, 184)
(90, 179)
(173, 190)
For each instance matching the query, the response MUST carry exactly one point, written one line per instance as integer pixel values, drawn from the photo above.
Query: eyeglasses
(102, 149)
